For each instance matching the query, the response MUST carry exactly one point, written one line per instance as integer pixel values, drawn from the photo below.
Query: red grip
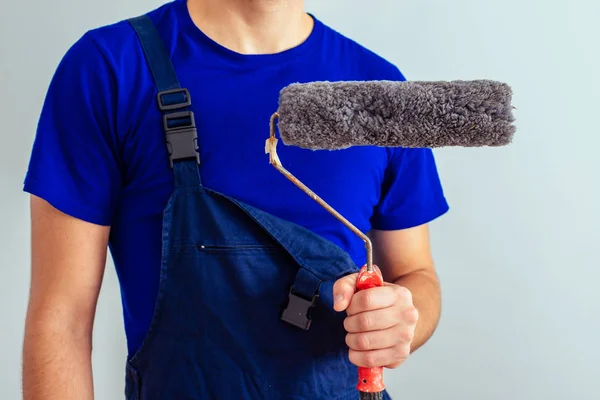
(370, 380)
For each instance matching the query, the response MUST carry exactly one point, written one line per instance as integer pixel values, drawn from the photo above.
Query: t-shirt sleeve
(74, 162)
(412, 192)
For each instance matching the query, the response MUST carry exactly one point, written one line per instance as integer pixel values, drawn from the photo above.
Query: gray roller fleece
(338, 115)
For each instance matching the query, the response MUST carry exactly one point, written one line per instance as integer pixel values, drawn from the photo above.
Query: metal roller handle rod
(274, 160)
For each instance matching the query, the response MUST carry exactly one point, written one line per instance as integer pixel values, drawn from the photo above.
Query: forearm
(56, 361)
(68, 256)
(425, 290)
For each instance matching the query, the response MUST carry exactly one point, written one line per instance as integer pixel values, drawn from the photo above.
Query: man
(209, 252)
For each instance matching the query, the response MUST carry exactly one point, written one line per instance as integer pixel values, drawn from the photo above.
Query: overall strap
(173, 101)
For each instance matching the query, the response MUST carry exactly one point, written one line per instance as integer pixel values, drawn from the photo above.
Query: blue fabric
(159, 61)
(217, 332)
(99, 153)
(225, 269)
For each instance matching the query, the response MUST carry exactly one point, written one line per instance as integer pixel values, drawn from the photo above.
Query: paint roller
(419, 114)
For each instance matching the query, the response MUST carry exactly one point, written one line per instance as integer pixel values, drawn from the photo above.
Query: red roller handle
(370, 380)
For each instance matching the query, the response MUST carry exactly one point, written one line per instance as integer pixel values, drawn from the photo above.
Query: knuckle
(411, 315)
(403, 293)
(367, 300)
(370, 360)
(407, 335)
(394, 365)
(365, 322)
(401, 351)
(359, 342)
(363, 342)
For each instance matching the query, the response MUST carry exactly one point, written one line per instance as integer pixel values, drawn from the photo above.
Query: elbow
(52, 321)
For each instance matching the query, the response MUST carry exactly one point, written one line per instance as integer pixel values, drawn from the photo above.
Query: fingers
(380, 319)
(377, 340)
(390, 357)
(378, 298)
(343, 291)
(380, 322)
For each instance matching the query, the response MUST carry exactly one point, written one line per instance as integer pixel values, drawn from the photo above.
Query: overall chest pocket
(238, 248)
(238, 293)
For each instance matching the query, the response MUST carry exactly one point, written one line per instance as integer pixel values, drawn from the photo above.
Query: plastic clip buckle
(298, 309)
(181, 136)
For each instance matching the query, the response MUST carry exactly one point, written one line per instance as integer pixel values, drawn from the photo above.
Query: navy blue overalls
(245, 302)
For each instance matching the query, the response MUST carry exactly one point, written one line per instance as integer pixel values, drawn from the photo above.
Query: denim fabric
(217, 331)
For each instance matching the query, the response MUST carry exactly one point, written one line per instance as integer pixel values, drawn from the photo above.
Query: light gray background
(517, 254)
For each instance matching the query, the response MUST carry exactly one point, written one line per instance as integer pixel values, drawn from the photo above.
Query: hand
(381, 322)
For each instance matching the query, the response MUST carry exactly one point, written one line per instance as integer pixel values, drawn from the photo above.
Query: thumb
(343, 290)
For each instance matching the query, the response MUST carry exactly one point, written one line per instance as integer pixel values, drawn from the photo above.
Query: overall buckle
(181, 136)
(173, 99)
(298, 310)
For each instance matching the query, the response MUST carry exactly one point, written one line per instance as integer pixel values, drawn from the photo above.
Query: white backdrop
(517, 253)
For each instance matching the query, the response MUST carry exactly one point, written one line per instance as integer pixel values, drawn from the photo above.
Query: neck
(252, 26)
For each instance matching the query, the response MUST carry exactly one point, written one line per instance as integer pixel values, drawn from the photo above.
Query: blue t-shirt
(100, 154)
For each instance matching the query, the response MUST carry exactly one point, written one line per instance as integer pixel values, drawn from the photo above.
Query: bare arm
(68, 259)
(404, 257)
